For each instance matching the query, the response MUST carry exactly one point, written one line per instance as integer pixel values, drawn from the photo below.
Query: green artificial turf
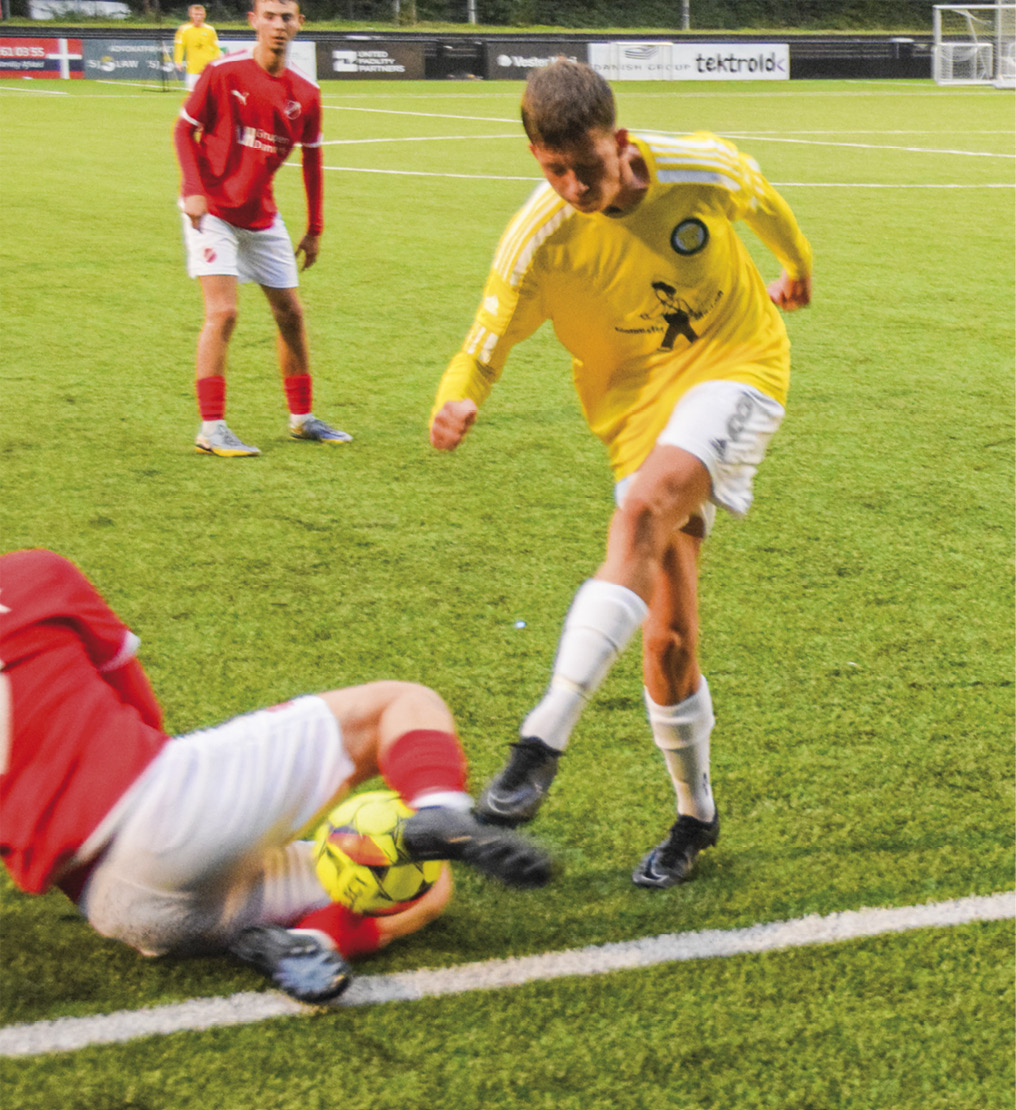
(857, 628)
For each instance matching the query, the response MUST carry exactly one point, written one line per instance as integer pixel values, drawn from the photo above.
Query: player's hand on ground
(789, 293)
(309, 246)
(454, 419)
(194, 208)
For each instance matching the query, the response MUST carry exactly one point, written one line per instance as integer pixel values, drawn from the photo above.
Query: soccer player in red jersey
(235, 129)
(197, 843)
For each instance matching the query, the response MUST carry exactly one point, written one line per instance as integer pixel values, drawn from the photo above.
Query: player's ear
(621, 138)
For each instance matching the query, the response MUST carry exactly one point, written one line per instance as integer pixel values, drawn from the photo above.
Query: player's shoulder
(697, 158)
(231, 62)
(301, 83)
(543, 214)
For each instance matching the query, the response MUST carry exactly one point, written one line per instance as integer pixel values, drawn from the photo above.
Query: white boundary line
(777, 184)
(71, 1034)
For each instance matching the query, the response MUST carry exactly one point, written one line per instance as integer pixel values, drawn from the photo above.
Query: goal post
(975, 44)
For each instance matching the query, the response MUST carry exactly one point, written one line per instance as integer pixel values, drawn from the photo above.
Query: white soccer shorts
(727, 426)
(206, 842)
(219, 248)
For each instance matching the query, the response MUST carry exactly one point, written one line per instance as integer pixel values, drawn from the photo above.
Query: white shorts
(191, 80)
(220, 248)
(207, 842)
(727, 426)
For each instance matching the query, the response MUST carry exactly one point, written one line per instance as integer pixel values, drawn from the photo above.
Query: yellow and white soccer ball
(360, 858)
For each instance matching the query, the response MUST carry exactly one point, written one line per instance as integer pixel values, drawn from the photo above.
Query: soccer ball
(360, 858)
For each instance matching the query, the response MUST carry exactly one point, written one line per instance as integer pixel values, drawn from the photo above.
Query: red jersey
(250, 122)
(84, 721)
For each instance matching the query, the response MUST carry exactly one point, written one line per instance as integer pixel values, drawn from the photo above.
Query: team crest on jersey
(292, 109)
(689, 237)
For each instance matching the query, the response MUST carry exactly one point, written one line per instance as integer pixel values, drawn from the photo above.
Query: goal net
(975, 44)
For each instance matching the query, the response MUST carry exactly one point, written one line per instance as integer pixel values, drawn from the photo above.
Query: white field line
(777, 184)
(33, 92)
(70, 1034)
(414, 139)
(755, 137)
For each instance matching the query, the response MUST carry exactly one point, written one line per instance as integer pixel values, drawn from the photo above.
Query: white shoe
(221, 441)
(312, 428)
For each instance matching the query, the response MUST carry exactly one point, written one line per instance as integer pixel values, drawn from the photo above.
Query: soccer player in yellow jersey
(681, 362)
(197, 42)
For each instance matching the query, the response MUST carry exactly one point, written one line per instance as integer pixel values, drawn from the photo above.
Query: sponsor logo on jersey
(689, 237)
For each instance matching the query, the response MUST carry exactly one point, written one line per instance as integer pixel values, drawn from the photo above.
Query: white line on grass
(70, 1034)
(755, 137)
(777, 184)
(414, 139)
(34, 92)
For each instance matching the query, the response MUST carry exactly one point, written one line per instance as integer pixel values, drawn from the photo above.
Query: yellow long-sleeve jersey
(648, 303)
(200, 45)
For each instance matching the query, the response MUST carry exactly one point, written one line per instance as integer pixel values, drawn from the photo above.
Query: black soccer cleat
(513, 796)
(673, 860)
(449, 834)
(302, 962)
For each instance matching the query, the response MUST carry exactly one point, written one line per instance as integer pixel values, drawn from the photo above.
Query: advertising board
(344, 60)
(691, 61)
(513, 59)
(31, 57)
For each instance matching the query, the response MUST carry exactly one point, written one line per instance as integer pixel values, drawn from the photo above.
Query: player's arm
(178, 47)
(311, 163)
(507, 315)
(427, 908)
(772, 220)
(357, 936)
(216, 43)
(61, 593)
(185, 139)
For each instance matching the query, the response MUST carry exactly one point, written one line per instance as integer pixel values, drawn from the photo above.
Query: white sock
(298, 419)
(602, 619)
(209, 427)
(450, 799)
(682, 733)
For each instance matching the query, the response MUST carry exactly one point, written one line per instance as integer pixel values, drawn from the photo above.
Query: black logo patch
(689, 237)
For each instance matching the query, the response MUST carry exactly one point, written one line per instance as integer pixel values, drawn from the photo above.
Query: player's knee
(222, 320)
(646, 523)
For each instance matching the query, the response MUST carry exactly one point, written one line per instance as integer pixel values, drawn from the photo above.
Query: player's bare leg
(680, 712)
(219, 292)
(405, 732)
(604, 615)
(294, 366)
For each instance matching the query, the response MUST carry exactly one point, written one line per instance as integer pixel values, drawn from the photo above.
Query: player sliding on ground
(681, 362)
(235, 130)
(193, 844)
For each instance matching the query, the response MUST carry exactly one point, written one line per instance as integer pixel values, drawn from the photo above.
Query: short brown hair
(563, 101)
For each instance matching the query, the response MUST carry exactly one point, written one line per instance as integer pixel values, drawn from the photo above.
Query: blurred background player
(681, 362)
(195, 44)
(193, 844)
(234, 131)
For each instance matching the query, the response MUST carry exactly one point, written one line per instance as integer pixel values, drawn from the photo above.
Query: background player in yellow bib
(681, 362)
(197, 42)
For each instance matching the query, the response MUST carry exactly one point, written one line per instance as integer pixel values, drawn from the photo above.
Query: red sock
(354, 935)
(424, 761)
(298, 394)
(211, 397)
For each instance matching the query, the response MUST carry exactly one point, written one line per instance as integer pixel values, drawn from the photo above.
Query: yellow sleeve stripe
(542, 215)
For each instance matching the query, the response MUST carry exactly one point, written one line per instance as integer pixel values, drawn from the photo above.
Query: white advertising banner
(691, 61)
(302, 53)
